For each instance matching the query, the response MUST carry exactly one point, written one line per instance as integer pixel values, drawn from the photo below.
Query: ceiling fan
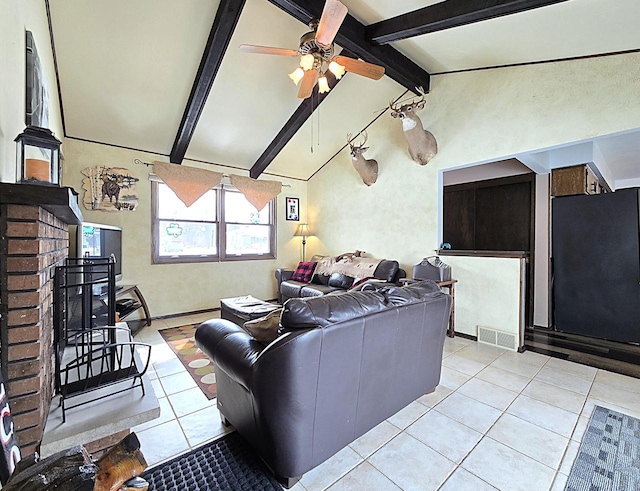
(316, 52)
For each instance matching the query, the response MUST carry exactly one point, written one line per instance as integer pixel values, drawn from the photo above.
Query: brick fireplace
(34, 239)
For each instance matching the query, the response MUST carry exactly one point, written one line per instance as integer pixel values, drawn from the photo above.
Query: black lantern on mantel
(38, 157)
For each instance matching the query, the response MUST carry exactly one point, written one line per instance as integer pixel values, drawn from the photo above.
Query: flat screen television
(99, 240)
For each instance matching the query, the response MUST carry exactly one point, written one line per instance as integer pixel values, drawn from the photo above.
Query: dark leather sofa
(341, 365)
(388, 271)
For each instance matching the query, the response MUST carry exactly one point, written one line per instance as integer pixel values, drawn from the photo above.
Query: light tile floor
(498, 420)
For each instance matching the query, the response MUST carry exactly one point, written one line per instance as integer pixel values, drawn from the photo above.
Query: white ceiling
(126, 71)
(126, 68)
(565, 30)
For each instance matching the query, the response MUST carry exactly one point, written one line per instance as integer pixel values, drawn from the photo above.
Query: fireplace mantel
(61, 202)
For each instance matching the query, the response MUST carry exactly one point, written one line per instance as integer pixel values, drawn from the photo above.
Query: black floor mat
(225, 464)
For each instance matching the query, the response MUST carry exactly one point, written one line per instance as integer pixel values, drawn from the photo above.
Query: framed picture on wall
(37, 97)
(293, 209)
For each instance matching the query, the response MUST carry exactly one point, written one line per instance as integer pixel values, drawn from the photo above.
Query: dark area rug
(609, 455)
(199, 366)
(224, 464)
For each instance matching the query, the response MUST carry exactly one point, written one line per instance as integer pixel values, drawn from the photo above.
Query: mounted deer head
(422, 144)
(368, 169)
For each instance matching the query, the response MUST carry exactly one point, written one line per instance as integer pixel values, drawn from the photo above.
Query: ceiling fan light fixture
(307, 61)
(316, 51)
(323, 85)
(296, 75)
(337, 69)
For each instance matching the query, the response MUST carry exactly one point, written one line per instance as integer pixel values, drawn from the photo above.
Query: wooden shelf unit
(134, 325)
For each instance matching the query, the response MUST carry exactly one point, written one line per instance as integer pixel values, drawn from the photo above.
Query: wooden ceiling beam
(224, 24)
(446, 15)
(352, 37)
(291, 127)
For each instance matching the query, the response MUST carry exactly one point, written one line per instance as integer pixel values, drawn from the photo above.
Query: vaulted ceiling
(167, 77)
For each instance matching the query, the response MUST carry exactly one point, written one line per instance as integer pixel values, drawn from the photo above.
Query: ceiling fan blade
(307, 83)
(267, 50)
(333, 14)
(358, 67)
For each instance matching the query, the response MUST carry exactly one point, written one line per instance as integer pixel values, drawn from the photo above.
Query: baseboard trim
(195, 312)
(192, 312)
(466, 336)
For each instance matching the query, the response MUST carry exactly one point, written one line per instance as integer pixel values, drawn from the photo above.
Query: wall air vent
(497, 338)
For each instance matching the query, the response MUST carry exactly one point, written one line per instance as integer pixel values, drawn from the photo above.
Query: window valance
(190, 183)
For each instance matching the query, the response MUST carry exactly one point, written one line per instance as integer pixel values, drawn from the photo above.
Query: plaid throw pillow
(304, 271)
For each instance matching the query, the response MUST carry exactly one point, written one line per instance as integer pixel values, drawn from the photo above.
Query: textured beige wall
(15, 19)
(176, 288)
(476, 117)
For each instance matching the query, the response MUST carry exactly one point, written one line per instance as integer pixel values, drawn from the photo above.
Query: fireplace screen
(91, 351)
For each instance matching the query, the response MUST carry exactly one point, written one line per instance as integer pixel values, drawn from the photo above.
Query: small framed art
(293, 209)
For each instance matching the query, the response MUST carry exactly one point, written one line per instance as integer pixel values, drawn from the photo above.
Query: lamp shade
(296, 75)
(307, 61)
(337, 69)
(323, 85)
(303, 230)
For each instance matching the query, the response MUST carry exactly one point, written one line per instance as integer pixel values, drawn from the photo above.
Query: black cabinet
(596, 265)
(459, 217)
(490, 215)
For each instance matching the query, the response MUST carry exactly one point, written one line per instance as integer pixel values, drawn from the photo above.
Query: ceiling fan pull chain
(318, 111)
(312, 123)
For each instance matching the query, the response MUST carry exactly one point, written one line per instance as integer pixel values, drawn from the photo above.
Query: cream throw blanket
(356, 267)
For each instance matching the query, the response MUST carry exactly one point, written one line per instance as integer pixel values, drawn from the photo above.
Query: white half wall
(487, 293)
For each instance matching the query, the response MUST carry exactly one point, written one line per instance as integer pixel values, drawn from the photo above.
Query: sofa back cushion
(320, 279)
(309, 313)
(415, 292)
(387, 270)
(341, 281)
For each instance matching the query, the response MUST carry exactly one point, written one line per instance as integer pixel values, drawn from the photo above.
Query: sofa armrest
(230, 347)
(283, 274)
